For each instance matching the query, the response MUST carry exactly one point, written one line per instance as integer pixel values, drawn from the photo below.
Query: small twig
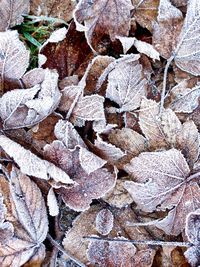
(64, 251)
(141, 242)
(169, 61)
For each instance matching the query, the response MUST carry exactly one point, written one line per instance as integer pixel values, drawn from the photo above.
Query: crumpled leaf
(103, 17)
(167, 28)
(104, 222)
(13, 61)
(51, 8)
(192, 232)
(26, 107)
(162, 181)
(32, 165)
(142, 47)
(11, 12)
(29, 220)
(145, 12)
(69, 56)
(126, 84)
(89, 186)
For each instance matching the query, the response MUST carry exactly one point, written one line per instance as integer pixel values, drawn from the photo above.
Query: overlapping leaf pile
(107, 126)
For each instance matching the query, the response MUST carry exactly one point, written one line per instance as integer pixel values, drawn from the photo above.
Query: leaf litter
(104, 131)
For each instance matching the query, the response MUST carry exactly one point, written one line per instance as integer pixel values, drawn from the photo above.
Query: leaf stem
(141, 242)
(169, 61)
(55, 243)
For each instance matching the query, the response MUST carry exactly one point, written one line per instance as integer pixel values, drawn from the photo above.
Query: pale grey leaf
(104, 221)
(52, 203)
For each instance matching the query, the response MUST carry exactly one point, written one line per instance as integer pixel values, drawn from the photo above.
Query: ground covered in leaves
(99, 133)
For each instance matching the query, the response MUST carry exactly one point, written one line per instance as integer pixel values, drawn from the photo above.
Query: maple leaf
(32, 165)
(26, 107)
(162, 181)
(126, 84)
(85, 168)
(103, 17)
(14, 57)
(11, 12)
(27, 213)
(192, 232)
(55, 9)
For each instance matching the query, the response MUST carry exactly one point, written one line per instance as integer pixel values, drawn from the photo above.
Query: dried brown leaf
(162, 182)
(89, 186)
(103, 17)
(104, 222)
(32, 165)
(11, 12)
(30, 225)
(26, 107)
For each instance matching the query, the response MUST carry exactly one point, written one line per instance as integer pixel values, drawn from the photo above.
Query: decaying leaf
(52, 203)
(92, 181)
(162, 181)
(126, 84)
(26, 107)
(11, 12)
(104, 222)
(32, 165)
(192, 231)
(14, 57)
(103, 17)
(57, 9)
(29, 221)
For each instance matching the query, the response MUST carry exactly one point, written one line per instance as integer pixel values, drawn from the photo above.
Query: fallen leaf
(11, 13)
(192, 232)
(14, 57)
(89, 186)
(51, 8)
(127, 85)
(101, 18)
(104, 222)
(52, 203)
(162, 181)
(32, 165)
(26, 107)
(30, 225)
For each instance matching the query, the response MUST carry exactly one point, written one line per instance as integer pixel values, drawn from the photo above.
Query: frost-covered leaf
(188, 48)
(102, 253)
(142, 47)
(32, 165)
(145, 12)
(185, 100)
(89, 186)
(161, 181)
(53, 8)
(30, 222)
(167, 28)
(192, 232)
(52, 203)
(11, 12)
(102, 17)
(128, 140)
(26, 107)
(6, 228)
(126, 84)
(65, 132)
(14, 57)
(104, 222)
